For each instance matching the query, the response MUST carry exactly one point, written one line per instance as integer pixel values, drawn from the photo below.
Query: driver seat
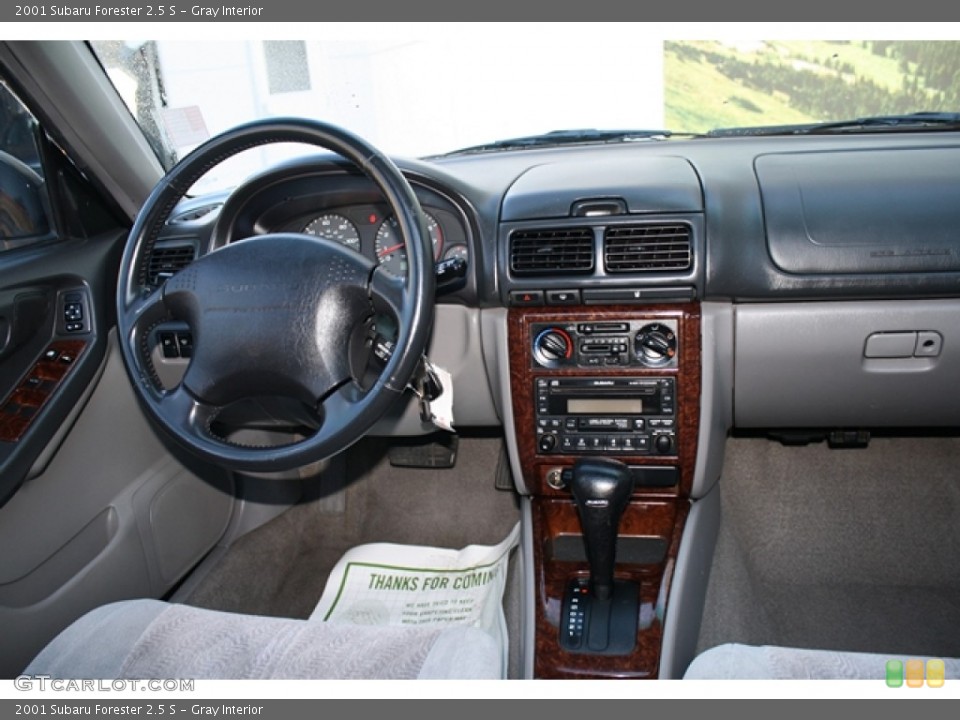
(154, 639)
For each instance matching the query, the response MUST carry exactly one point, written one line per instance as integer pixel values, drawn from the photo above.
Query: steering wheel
(279, 315)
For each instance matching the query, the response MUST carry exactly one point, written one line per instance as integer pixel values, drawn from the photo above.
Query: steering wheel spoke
(184, 412)
(147, 309)
(386, 291)
(139, 315)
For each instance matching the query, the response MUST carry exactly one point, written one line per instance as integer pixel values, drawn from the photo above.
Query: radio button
(595, 423)
(638, 423)
(566, 443)
(570, 423)
(602, 423)
(613, 443)
(596, 442)
(642, 442)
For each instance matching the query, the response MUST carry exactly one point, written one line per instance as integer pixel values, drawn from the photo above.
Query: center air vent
(554, 251)
(647, 248)
(166, 260)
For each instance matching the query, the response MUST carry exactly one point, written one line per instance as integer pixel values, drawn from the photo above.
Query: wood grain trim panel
(523, 374)
(34, 390)
(659, 513)
(663, 518)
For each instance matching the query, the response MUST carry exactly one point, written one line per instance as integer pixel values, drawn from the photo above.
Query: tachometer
(333, 226)
(391, 252)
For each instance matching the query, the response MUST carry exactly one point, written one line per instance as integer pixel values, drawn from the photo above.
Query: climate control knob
(552, 347)
(655, 345)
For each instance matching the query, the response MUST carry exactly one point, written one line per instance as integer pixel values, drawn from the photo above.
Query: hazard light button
(526, 298)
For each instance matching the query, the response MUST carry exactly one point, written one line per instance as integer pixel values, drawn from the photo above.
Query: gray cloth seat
(151, 639)
(768, 662)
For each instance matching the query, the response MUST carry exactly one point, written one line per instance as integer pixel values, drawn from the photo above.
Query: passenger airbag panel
(889, 211)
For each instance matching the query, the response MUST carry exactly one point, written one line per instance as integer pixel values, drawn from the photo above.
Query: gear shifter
(601, 489)
(600, 616)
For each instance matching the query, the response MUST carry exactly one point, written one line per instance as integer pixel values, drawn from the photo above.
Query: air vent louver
(554, 251)
(647, 248)
(167, 260)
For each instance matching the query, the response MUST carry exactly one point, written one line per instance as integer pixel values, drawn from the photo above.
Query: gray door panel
(112, 516)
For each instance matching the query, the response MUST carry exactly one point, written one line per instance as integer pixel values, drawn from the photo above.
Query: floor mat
(281, 568)
(839, 549)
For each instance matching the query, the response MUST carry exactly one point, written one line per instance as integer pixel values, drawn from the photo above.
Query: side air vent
(647, 248)
(556, 251)
(166, 260)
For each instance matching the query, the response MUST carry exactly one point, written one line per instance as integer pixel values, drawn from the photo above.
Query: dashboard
(642, 301)
(779, 234)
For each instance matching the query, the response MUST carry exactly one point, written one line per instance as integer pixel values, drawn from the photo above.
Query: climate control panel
(627, 343)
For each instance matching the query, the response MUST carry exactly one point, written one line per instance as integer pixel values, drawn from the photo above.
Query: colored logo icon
(894, 673)
(914, 672)
(936, 672)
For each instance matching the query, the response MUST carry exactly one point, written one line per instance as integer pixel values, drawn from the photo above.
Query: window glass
(421, 89)
(287, 69)
(24, 216)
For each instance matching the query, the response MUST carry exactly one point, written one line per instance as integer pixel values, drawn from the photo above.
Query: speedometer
(391, 251)
(333, 226)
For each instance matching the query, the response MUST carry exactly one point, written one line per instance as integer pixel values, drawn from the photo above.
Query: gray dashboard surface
(736, 261)
(645, 184)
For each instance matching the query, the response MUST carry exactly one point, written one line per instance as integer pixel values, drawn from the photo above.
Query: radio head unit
(624, 415)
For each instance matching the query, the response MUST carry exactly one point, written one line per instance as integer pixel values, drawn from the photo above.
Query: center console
(598, 393)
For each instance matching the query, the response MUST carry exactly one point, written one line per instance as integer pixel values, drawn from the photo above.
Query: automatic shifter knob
(601, 489)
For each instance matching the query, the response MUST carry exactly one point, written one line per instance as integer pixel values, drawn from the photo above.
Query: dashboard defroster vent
(557, 251)
(166, 260)
(194, 215)
(647, 248)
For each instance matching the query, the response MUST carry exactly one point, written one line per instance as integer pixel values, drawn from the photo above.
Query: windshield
(428, 90)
